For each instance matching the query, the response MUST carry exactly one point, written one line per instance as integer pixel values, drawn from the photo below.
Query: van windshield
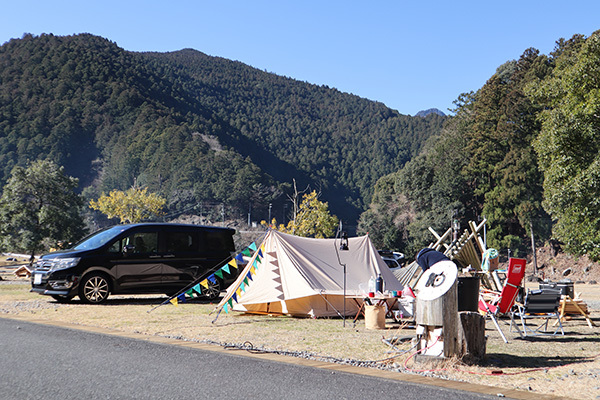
(99, 239)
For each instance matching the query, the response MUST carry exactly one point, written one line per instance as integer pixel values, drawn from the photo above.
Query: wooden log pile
(466, 252)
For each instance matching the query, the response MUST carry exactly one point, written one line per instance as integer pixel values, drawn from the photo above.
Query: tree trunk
(472, 336)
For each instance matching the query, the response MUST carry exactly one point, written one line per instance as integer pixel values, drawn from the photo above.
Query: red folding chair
(510, 290)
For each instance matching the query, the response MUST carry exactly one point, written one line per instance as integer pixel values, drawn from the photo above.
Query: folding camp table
(388, 302)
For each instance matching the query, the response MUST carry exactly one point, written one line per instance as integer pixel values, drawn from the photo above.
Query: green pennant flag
(245, 281)
(247, 252)
(230, 302)
(219, 273)
(190, 292)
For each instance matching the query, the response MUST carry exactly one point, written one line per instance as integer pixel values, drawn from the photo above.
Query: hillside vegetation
(522, 152)
(194, 128)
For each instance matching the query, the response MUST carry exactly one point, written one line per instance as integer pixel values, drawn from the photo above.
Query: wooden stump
(471, 336)
(437, 307)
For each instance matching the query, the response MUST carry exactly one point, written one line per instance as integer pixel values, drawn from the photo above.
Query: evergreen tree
(39, 208)
(569, 143)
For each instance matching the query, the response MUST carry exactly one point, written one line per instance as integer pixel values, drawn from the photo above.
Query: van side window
(178, 242)
(115, 247)
(142, 242)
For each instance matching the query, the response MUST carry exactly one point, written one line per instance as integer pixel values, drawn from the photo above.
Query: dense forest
(522, 152)
(196, 129)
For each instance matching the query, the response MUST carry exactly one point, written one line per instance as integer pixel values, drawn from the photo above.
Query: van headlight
(62, 263)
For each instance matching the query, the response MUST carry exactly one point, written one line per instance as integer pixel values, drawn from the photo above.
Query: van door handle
(169, 255)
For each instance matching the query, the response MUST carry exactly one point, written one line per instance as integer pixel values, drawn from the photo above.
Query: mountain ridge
(143, 117)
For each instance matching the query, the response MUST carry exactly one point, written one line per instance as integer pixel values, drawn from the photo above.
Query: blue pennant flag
(212, 278)
(181, 298)
(240, 258)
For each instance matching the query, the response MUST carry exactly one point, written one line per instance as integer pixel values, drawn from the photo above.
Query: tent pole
(344, 315)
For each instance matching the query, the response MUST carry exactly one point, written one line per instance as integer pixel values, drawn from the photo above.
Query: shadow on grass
(498, 360)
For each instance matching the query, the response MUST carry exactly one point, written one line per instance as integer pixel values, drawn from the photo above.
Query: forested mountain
(192, 127)
(522, 151)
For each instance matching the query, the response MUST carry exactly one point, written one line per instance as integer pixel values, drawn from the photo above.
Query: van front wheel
(94, 289)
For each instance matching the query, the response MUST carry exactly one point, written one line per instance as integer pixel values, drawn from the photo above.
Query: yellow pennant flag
(204, 283)
(252, 270)
(174, 301)
(233, 263)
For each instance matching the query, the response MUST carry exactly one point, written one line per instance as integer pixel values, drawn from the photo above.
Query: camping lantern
(344, 242)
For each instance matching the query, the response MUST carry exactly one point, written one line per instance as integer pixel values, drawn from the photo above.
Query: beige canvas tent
(305, 277)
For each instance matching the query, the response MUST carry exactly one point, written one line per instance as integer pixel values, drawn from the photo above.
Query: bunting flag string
(234, 292)
(253, 251)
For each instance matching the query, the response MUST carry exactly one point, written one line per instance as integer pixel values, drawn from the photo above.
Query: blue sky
(408, 55)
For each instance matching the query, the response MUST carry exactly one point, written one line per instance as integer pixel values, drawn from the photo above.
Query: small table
(389, 302)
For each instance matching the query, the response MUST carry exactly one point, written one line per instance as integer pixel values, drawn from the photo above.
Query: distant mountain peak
(424, 113)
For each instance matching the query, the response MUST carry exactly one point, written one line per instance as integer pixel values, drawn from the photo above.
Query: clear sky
(409, 55)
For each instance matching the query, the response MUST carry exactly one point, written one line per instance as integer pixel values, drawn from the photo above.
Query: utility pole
(535, 268)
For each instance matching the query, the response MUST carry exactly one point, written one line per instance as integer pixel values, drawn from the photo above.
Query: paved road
(46, 362)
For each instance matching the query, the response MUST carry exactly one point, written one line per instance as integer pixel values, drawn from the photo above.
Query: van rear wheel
(213, 291)
(94, 289)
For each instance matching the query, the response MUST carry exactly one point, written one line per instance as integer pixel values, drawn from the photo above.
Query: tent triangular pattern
(277, 278)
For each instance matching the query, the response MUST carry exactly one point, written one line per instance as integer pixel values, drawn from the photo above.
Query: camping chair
(505, 302)
(542, 303)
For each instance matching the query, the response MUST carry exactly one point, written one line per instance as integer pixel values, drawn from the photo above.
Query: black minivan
(135, 259)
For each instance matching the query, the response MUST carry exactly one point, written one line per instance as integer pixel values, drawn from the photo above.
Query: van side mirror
(128, 249)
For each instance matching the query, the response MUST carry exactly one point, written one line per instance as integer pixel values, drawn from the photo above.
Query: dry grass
(570, 368)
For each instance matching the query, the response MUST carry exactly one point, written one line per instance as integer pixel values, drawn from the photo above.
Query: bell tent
(305, 277)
